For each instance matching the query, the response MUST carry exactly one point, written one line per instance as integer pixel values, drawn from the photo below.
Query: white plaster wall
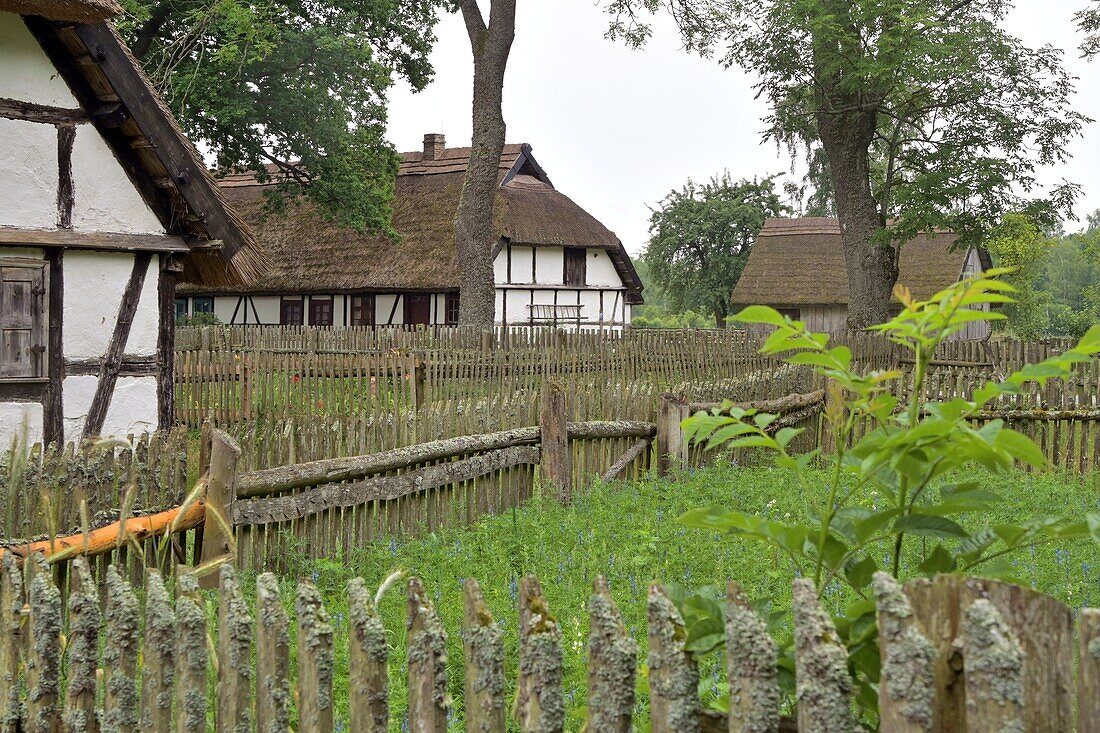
(28, 170)
(32, 252)
(383, 304)
(521, 264)
(503, 315)
(601, 270)
(22, 420)
(104, 199)
(133, 407)
(590, 302)
(94, 283)
(267, 308)
(500, 265)
(146, 325)
(223, 308)
(549, 265)
(27, 72)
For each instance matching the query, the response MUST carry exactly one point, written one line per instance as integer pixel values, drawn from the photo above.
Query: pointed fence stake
(234, 656)
(369, 656)
(751, 662)
(44, 647)
(191, 655)
(158, 656)
(272, 657)
(673, 675)
(120, 655)
(83, 651)
(315, 662)
(824, 688)
(994, 664)
(907, 690)
(11, 642)
(483, 642)
(427, 647)
(540, 704)
(1088, 680)
(612, 664)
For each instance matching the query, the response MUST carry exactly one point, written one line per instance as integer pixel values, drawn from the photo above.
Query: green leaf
(859, 573)
(938, 561)
(783, 436)
(759, 314)
(1090, 342)
(1021, 447)
(925, 525)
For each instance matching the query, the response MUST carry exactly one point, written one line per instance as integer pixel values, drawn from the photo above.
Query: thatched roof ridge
(801, 262)
(73, 11)
(312, 254)
(156, 154)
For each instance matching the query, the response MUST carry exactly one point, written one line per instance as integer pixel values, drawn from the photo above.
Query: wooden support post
(11, 642)
(907, 689)
(557, 462)
(158, 656)
(120, 655)
(43, 647)
(1088, 679)
(673, 452)
(419, 372)
(83, 651)
(191, 654)
(221, 492)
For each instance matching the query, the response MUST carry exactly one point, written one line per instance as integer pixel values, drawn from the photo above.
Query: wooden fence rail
(958, 655)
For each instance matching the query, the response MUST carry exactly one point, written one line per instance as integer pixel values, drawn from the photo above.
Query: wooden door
(418, 309)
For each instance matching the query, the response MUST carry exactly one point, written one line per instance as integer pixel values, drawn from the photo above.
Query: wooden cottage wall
(57, 173)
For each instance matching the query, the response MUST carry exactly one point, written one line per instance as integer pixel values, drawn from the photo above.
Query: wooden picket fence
(958, 654)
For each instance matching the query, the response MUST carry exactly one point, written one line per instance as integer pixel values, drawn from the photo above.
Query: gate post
(557, 461)
(673, 452)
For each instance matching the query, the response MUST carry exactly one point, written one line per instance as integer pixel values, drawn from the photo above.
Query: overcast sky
(617, 129)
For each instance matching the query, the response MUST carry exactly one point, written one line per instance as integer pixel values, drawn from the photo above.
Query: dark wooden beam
(53, 416)
(176, 154)
(166, 331)
(112, 360)
(66, 135)
(94, 240)
(23, 391)
(14, 109)
(130, 366)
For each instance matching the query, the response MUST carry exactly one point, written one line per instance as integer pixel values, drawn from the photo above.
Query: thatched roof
(801, 262)
(146, 139)
(76, 11)
(312, 254)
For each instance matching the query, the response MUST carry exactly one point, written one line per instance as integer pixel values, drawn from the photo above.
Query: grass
(629, 533)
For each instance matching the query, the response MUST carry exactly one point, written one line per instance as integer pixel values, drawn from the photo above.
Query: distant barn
(554, 263)
(797, 266)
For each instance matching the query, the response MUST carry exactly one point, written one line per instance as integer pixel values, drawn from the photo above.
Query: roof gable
(801, 262)
(113, 94)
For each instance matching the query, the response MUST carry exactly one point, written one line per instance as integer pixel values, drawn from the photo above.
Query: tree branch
(151, 29)
(475, 22)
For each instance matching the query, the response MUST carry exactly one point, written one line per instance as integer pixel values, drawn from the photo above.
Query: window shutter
(23, 321)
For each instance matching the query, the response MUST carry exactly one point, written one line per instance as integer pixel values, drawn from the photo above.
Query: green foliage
(952, 114)
(295, 85)
(700, 238)
(1089, 20)
(1017, 244)
(907, 456)
(198, 319)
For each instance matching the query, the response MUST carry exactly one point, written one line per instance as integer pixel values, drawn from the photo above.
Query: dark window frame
(451, 308)
(202, 304)
(186, 307)
(292, 311)
(32, 296)
(361, 310)
(317, 311)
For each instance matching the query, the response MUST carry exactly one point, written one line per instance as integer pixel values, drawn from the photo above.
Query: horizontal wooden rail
(316, 473)
(789, 403)
(379, 488)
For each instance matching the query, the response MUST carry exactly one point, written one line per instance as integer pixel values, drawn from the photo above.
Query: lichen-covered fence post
(483, 643)
(540, 704)
(673, 452)
(44, 647)
(907, 688)
(1088, 680)
(368, 661)
(11, 643)
(83, 651)
(824, 687)
(272, 657)
(673, 674)
(612, 664)
(557, 457)
(120, 656)
(994, 671)
(752, 667)
(158, 656)
(315, 662)
(191, 657)
(427, 648)
(234, 656)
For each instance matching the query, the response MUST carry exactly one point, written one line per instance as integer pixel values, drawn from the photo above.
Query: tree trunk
(872, 268)
(474, 223)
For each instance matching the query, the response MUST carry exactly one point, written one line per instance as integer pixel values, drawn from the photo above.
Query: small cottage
(104, 205)
(797, 267)
(555, 263)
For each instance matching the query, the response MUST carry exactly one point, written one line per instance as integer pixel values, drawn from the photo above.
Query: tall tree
(1089, 20)
(490, 43)
(294, 84)
(700, 238)
(928, 112)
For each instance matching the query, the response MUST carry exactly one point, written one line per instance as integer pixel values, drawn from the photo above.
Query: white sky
(617, 129)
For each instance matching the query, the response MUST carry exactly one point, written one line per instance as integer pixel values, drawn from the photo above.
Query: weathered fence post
(368, 654)
(1088, 680)
(191, 657)
(419, 375)
(824, 688)
(120, 656)
(483, 642)
(221, 492)
(673, 452)
(11, 642)
(83, 651)
(315, 662)
(44, 647)
(557, 461)
(158, 656)
(673, 674)
(994, 671)
(612, 664)
(272, 657)
(234, 657)
(540, 705)
(751, 666)
(427, 646)
(907, 688)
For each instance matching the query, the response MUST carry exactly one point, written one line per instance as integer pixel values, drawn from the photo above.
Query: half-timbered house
(555, 263)
(104, 204)
(797, 266)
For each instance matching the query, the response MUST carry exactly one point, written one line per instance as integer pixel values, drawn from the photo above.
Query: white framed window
(555, 313)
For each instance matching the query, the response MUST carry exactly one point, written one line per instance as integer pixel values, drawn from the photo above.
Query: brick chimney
(434, 145)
